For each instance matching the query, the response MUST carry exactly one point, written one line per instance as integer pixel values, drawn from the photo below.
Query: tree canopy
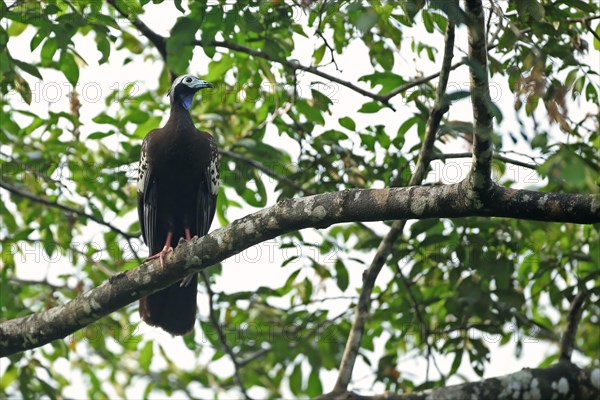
(418, 183)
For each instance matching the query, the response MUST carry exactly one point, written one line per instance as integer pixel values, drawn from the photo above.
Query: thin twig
(35, 172)
(568, 340)
(294, 65)
(417, 82)
(269, 171)
(29, 282)
(421, 320)
(30, 196)
(448, 156)
(263, 352)
(588, 25)
(319, 33)
(215, 321)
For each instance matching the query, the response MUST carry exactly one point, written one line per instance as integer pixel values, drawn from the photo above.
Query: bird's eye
(188, 80)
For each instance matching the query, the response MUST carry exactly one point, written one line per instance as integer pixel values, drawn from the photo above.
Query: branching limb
(561, 381)
(385, 247)
(568, 340)
(481, 170)
(288, 215)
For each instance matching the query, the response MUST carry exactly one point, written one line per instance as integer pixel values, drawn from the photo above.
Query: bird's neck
(180, 119)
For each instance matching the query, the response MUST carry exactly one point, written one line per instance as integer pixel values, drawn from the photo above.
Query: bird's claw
(161, 256)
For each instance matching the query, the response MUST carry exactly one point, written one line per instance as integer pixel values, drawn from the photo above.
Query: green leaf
(69, 67)
(382, 137)
(8, 377)
(16, 28)
(461, 94)
(181, 42)
(100, 135)
(23, 88)
(422, 226)
(37, 39)
(48, 49)
(388, 80)
(382, 54)
(367, 20)
(321, 101)
(406, 125)
(341, 275)
(30, 69)
(457, 361)
(311, 113)
(347, 123)
(318, 54)
(103, 46)
(296, 380)
(105, 119)
(314, 387)
(531, 8)
(146, 356)
(370, 107)
(137, 116)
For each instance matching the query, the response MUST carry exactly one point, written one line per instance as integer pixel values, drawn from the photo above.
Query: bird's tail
(172, 309)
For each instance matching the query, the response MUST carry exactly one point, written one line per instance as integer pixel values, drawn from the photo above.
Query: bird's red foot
(161, 255)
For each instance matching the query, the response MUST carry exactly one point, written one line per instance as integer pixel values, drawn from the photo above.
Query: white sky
(259, 266)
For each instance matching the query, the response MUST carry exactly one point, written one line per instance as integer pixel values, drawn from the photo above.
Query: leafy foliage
(446, 279)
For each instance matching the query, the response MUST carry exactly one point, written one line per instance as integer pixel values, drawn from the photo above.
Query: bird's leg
(188, 278)
(165, 249)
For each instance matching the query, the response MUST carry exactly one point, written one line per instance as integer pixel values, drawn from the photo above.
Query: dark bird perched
(178, 182)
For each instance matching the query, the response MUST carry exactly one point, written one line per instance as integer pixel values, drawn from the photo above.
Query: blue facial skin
(186, 100)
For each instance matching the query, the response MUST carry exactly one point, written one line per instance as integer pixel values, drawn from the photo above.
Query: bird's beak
(200, 84)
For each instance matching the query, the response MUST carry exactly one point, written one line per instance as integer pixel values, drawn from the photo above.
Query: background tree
(482, 258)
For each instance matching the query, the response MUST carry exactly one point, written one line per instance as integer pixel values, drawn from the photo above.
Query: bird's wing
(208, 189)
(147, 196)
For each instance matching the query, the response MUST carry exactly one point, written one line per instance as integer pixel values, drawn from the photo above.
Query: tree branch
(157, 40)
(561, 381)
(481, 170)
(385, 247)
(568, 340)
(288, 215)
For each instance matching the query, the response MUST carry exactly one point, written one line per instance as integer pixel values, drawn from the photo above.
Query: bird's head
(184, 87)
